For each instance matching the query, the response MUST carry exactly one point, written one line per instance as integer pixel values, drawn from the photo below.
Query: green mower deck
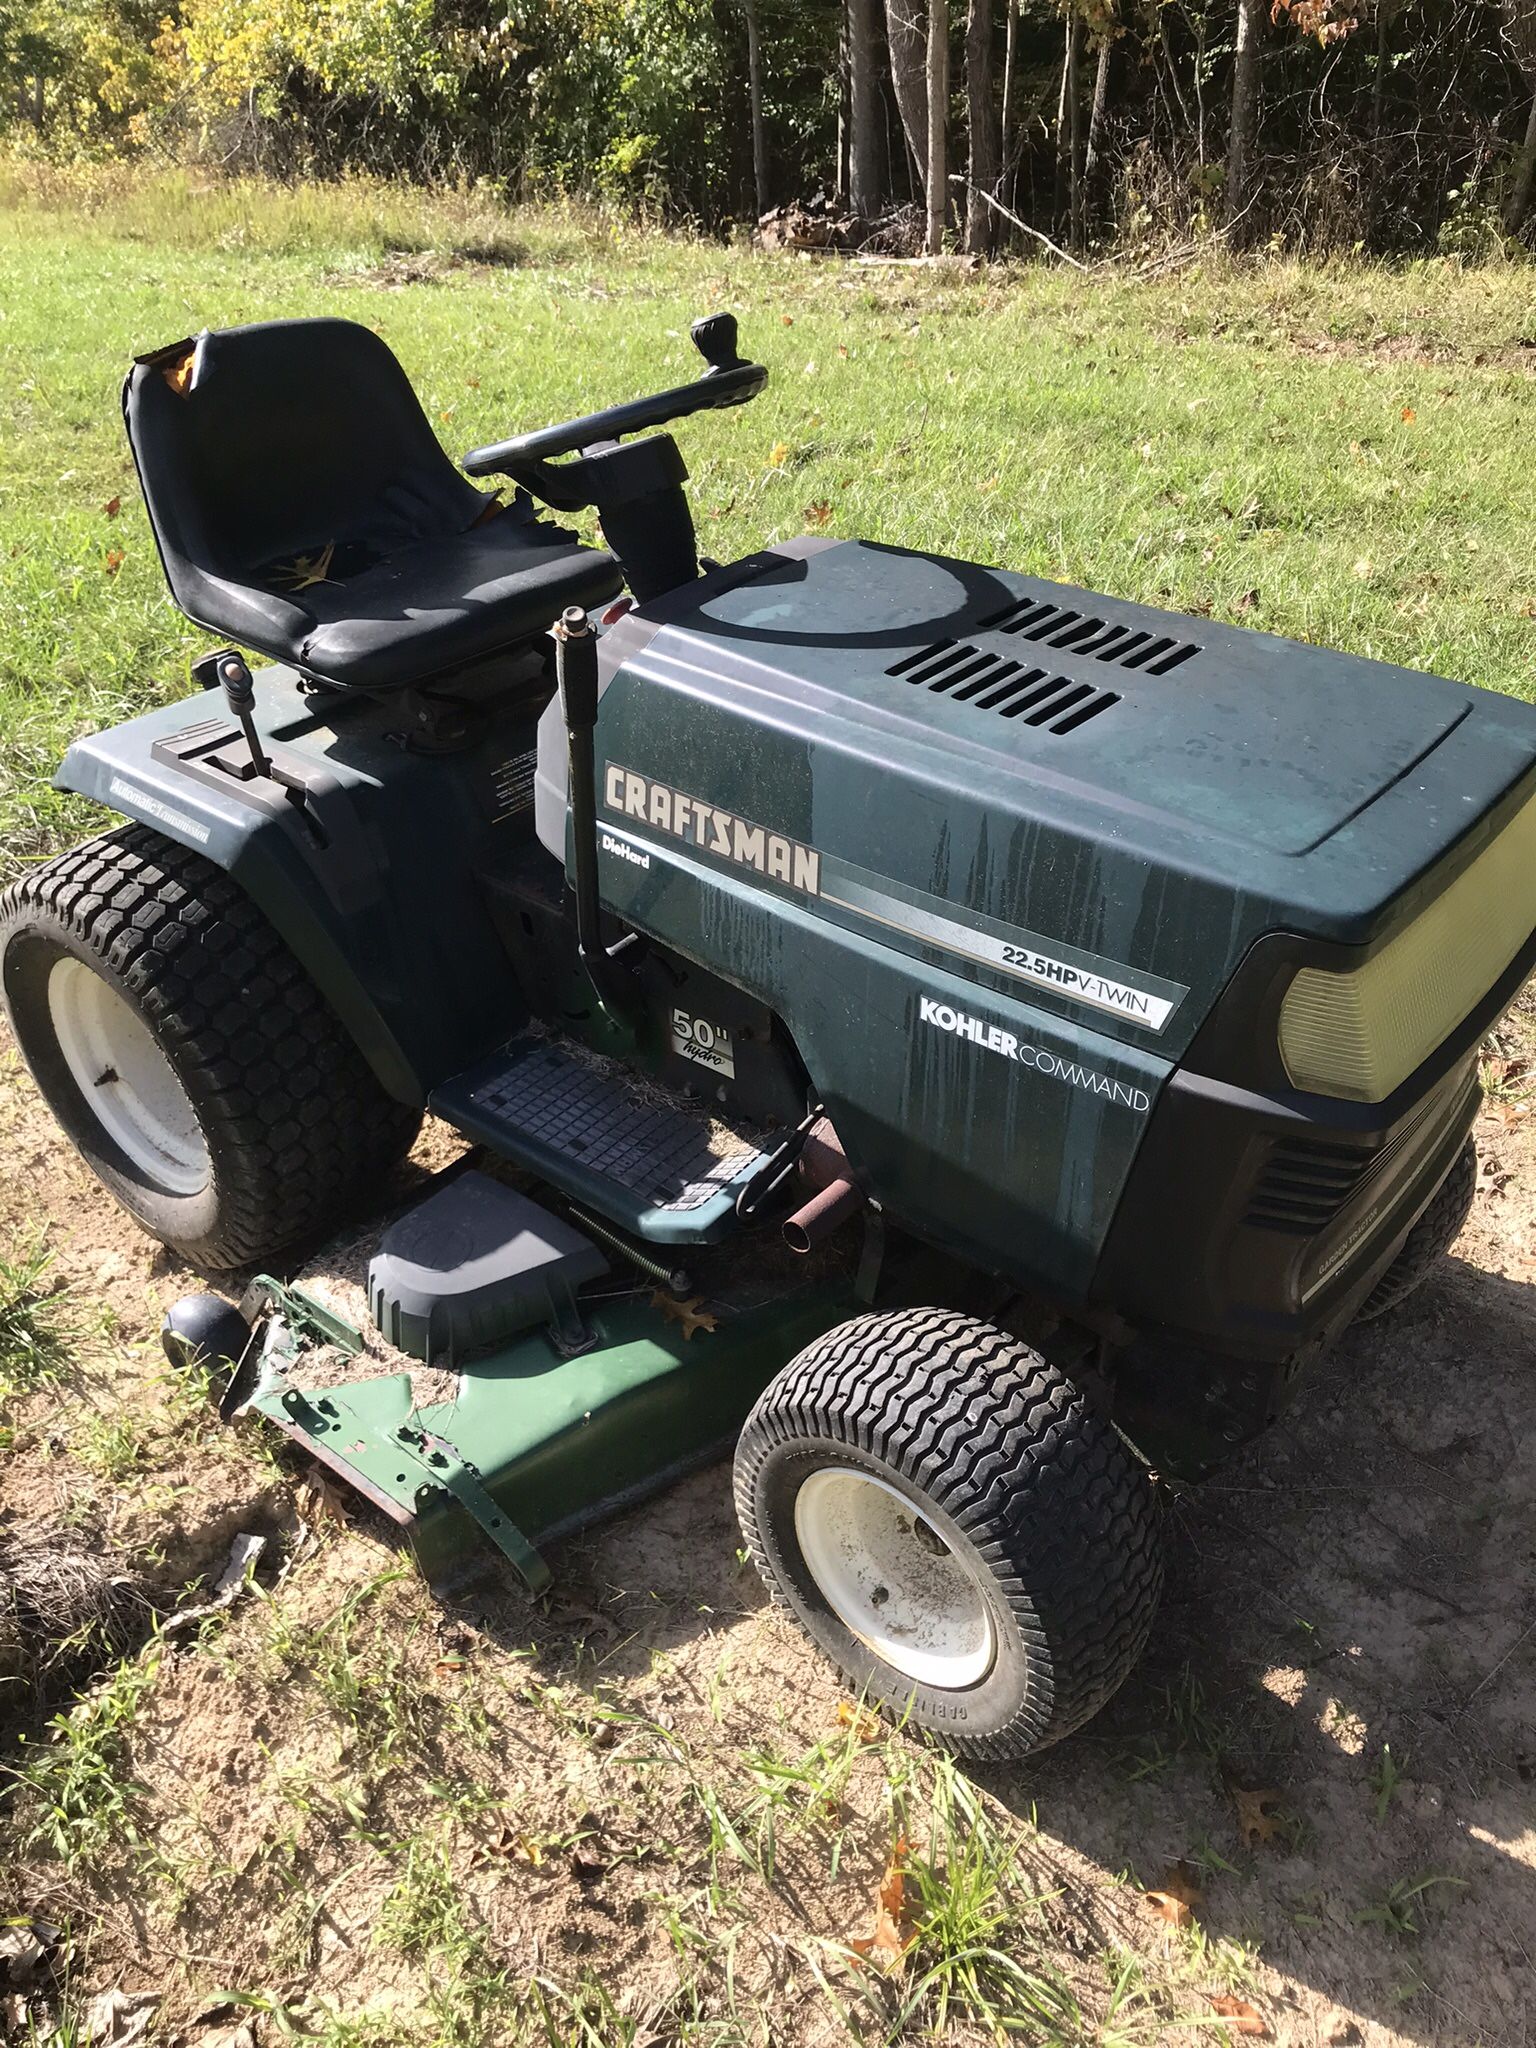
(533, 1445)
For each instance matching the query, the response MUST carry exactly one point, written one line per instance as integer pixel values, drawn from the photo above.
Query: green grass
(75, 1790)
(1348, 443)
(35, 1327)
(1191, 440)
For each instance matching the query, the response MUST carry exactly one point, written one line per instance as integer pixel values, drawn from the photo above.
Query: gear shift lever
(229, 671)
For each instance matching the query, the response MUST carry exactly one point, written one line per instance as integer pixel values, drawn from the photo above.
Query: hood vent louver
(1125, 646)
(1024, 683)
(1011, 688)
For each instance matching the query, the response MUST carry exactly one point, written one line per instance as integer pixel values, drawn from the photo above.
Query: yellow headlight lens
(1360, 1035)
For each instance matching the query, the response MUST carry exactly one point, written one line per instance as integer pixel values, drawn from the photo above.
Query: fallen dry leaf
(112, 507)
(690, 1315)
(865, 1725)
(306, 570)
(817, 514)
(1409, 415)
(1259, 1819)
(115, 560)
(778, 455)
(318, 1500)
(509, 1844)
(115, 2018)
(241, 2036)
(1181, 1881)
(887, 1946)
(1242, 2017)
(20, 1953)
(1248, 601)
(1168, 1908)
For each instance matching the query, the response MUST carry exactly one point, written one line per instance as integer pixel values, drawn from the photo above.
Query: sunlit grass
(35, 1324)
(1337, 455)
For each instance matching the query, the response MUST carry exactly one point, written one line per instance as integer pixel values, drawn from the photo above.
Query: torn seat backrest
(261, 446)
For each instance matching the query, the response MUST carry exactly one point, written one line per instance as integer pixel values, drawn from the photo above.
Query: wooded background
(1320, 125)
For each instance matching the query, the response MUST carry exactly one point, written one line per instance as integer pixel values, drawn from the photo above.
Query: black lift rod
(576, 671)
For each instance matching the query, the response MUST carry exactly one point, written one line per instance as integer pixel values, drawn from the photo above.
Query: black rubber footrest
(649, 1161)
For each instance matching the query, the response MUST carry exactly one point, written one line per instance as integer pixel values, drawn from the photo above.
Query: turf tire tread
(302, 1123)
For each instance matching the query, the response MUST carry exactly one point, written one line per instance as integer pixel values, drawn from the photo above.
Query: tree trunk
(1383, 58)
(904, 37)
(981, 127)
(755, 93)
(1245, 93)
(938, 123)
(1005, 148)
(1074, 88)
(865, 122)
(1172, 63)
(1525, 178)
(841, 178)
(1520, 32)
(735, 87)
(1100, 102)
(1061, 194)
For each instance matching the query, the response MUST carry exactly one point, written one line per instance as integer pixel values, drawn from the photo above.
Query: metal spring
(673, 1278)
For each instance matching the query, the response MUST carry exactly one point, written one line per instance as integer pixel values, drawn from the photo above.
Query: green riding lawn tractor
(970, 1042)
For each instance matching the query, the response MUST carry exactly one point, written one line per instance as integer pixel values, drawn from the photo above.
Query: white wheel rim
(893, 1580)
(128, 1083)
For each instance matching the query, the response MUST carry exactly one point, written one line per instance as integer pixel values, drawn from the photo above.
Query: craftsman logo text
(711, 829)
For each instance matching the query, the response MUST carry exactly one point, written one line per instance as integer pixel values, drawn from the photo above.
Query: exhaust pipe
(820, 1216)
(823, 1164)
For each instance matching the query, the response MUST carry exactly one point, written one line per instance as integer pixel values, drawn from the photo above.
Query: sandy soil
(1359, 1580)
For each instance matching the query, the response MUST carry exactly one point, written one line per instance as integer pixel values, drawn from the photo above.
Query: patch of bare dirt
(349, 1786)
(398, 269)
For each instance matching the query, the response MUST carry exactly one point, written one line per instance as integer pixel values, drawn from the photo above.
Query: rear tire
(198, 1070)
(948, 1520)
(1430, 1238)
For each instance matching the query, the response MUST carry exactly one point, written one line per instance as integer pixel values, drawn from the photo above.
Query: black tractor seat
(302, 505)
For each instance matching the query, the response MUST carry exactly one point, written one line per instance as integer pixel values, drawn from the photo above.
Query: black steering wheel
(728, 381)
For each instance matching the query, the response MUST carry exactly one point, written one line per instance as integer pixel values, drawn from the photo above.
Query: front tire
(1430, 1238)
(948, 1520)
(199, 1071)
